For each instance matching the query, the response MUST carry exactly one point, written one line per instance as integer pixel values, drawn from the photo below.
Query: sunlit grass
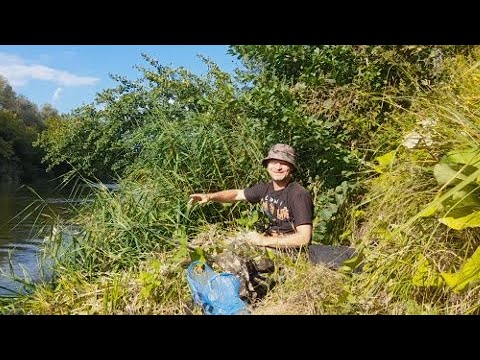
(130, 254)
(388, 228)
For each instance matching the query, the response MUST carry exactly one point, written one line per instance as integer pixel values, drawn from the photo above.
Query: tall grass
(399, 246)
(150, 211)
(134, 242)
(149, 215)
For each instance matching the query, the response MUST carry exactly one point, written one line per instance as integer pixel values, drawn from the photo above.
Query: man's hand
(200, 198)
(298, 239)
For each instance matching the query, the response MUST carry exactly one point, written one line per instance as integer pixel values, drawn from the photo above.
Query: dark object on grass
(331, 256)
(253, 286)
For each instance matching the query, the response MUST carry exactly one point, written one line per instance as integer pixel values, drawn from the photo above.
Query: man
(287, 204)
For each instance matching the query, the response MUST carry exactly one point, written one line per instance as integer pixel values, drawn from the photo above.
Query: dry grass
(307, 289)
(157, 287)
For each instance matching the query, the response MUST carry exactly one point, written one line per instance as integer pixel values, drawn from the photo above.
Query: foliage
(345, 109)
(335, 105)
(20, 122)
(468, 274)
(16, 150)
(26, 111)
(336, 94)
(78, 141)
(115, 131)
(426, 251)
(328, 204)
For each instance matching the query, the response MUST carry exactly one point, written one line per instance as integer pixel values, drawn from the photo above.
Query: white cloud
(56, 94)
(6, 59)
(18, 73)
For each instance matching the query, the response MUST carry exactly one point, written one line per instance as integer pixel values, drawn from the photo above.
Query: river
(23, 213)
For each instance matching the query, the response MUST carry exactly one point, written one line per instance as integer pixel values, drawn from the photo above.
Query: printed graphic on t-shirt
(275, 208)
(286, 208)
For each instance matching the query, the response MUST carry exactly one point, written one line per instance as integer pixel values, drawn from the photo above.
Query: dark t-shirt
(286, 208)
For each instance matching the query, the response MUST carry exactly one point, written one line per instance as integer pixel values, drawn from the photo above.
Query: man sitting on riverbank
(287, 204)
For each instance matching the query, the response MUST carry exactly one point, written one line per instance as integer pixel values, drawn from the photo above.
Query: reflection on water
(23, 214)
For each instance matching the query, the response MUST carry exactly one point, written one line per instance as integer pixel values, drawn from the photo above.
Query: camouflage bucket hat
(281, 152)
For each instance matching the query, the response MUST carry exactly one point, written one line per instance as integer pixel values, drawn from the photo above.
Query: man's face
(278, 169)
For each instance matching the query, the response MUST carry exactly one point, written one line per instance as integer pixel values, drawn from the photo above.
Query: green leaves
(248, 219)
(444, 174)
(461, 204)
(469, 219)
(385, 161)
(468, 274)
(469, 156)
(106, 139)
(17, 154)
(424, 274)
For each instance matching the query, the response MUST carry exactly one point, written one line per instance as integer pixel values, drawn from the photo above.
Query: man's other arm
(224, 196)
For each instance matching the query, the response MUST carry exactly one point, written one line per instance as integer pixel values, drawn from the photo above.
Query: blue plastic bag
(217, 293)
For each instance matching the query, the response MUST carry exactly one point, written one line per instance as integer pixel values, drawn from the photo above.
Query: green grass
(130, 256)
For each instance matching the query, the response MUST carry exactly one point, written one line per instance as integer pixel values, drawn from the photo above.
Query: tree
(7, 95)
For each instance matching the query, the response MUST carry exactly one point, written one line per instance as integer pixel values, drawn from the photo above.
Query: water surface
(26, 217)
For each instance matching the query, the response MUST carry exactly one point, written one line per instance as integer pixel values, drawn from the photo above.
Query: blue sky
(67, 76)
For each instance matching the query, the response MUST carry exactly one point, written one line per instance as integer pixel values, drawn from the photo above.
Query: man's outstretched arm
(224, 196)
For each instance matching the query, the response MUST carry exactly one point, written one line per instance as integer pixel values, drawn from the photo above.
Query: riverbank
(27, 213)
